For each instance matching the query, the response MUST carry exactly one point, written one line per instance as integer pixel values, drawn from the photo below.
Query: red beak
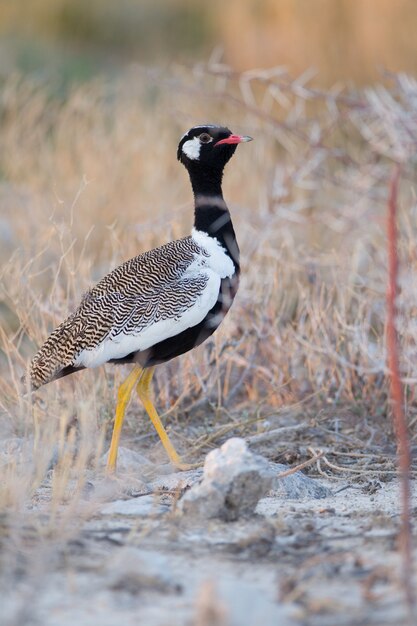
(234, 139)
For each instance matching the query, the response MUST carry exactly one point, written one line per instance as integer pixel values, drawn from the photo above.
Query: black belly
(191, 337)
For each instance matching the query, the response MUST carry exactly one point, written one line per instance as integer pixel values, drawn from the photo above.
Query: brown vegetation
(342, 40)
(93, 180)
(82, 190)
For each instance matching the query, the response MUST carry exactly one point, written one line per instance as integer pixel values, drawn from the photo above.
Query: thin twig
(396, 390)
(276, 432)
(301, 466)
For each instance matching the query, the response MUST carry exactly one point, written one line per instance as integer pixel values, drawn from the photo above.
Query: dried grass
(93, 180)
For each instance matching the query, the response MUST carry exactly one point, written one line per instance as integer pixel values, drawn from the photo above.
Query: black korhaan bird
(159, 304)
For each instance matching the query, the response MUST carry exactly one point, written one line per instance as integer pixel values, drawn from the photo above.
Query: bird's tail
(56, 354)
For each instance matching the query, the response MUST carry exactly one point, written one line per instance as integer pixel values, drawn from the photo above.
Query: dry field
(343, 40)
(298, 368)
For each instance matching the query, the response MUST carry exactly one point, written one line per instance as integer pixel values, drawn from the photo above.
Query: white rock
(234, 480)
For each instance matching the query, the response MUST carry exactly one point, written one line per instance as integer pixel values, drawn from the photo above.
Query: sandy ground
(123, 554)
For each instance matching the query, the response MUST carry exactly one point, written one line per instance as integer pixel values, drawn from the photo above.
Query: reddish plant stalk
(396, 391)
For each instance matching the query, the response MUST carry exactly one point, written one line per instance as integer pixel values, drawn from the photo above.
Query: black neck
(211, 214)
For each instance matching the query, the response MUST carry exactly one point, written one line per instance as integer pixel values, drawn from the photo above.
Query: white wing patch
(123, 344)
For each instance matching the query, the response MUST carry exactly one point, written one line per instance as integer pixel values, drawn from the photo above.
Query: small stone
(234, 480)
(296, 486)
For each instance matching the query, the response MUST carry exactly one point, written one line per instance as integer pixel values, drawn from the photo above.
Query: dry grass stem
(401, 429)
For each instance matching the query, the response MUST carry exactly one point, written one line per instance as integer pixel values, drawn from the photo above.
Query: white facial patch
(191, 149)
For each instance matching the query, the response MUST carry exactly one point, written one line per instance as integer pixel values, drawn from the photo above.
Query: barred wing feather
(146, 299)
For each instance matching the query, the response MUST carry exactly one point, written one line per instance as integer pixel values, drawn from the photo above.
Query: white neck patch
(219, 261)
(191, 148)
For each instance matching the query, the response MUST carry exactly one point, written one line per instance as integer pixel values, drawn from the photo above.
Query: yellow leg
(143, 389)
(123, 397)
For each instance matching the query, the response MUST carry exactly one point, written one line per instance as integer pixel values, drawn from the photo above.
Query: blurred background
(93, 98)
(344, 40)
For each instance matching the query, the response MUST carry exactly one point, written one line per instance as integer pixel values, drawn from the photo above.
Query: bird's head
(208, 147)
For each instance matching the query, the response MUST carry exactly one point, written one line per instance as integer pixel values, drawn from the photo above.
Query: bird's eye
(205, 138)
